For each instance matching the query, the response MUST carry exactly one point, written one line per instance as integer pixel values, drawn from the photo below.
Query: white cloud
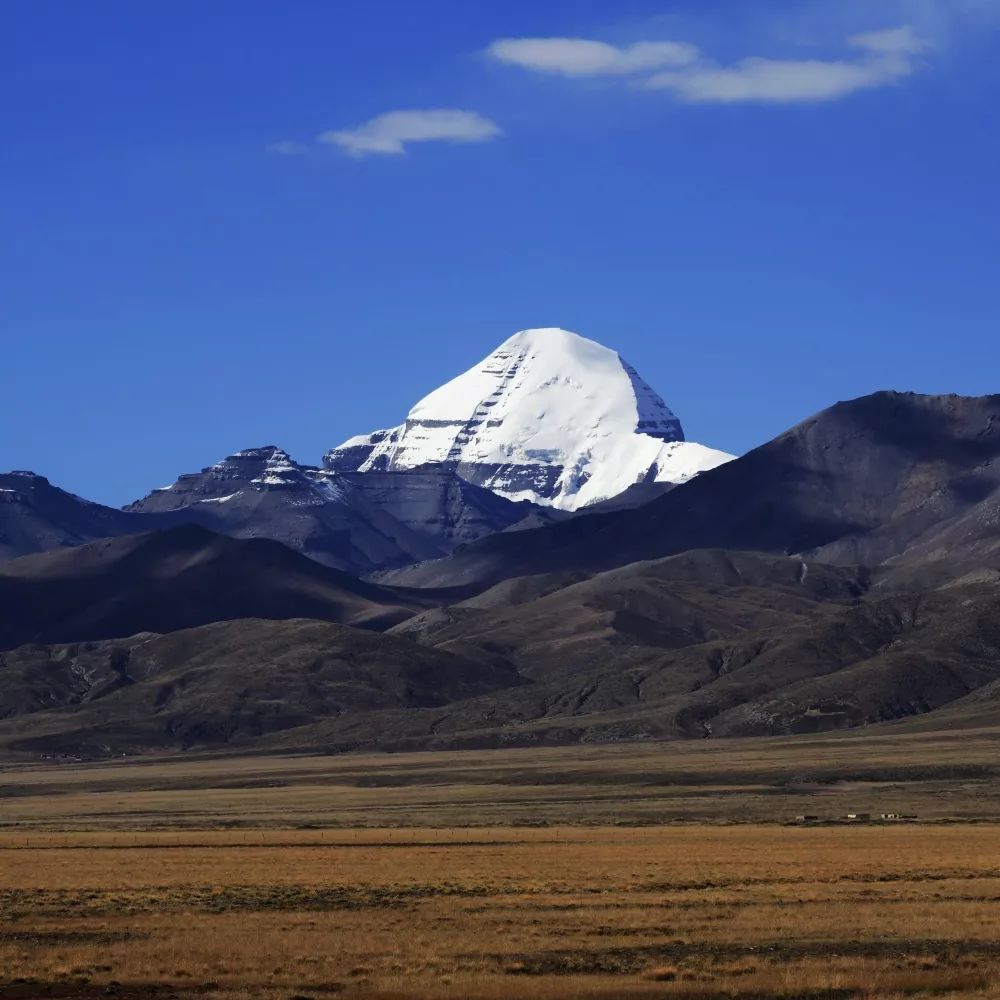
(391, 132)
(773, 81)
(584, 57)
(882, 57)
(288, 147)
(885, 57)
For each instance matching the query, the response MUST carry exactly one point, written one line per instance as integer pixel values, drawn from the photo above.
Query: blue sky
(215, 239)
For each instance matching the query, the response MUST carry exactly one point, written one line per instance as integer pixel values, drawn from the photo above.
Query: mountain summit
(549, 417)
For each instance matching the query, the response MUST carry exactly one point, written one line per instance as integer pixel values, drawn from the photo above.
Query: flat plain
(660, 870)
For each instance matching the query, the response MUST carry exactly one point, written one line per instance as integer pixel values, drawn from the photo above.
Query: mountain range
(566, 414)
(893, 478)
(547, 561)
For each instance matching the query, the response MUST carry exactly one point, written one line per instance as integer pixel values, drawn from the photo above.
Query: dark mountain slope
(886, 659)
(706, 644)
(553, 626)
(173, 579)
(577, 638)
(980, 709)
(355, 523)
(36, 516)
(225, 683)
(838, 667)
(262, 493)
(862, 482)
(352, 522)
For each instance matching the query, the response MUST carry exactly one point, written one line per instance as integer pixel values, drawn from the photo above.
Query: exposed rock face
(440, 505)
(263, 493)
(357, 523)
(253, 470)
(549, 417)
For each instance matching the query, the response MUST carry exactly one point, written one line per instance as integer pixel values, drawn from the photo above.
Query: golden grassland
(563, 912)
(939, 776)
(642, 870)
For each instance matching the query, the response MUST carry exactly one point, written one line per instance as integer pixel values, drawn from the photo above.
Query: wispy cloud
(883, 57)
(392, 132)
(901, 41)
(585, 57)
(878, 58)
(948, 23)
(288, 147)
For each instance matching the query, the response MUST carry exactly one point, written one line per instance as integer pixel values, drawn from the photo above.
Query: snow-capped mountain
(549, 417)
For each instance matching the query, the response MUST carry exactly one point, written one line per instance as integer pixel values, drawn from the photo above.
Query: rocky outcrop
(358, 523)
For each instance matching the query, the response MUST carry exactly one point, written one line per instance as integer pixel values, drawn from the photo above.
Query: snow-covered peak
(549, 416)
(551, 387)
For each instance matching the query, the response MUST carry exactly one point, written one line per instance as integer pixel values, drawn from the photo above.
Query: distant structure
(858, 817)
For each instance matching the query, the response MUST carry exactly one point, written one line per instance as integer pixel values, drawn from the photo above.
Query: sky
(242, 222)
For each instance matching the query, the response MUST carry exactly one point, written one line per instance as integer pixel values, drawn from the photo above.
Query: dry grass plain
(939, 776)
(683, 911)
(584, 872)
